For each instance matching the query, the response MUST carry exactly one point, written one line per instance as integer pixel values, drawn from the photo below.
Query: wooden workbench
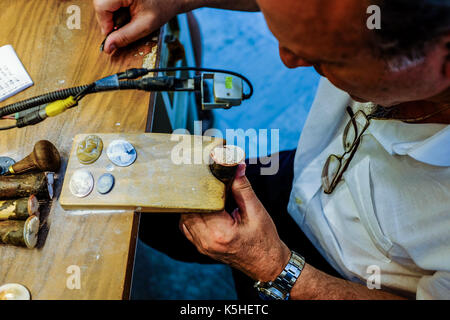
(102, 244)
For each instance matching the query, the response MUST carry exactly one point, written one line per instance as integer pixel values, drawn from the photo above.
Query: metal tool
(121, 153)
(39, 184)
(105, 183)
(121, 17)
(50, 176)
(5, 163)
(44, 157)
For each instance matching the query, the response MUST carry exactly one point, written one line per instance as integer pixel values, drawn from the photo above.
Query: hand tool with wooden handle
(19, 209)
(20, 233)
(44, 157)
(39, 184)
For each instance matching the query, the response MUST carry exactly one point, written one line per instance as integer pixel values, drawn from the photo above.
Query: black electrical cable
(139, 72)
(40, 100)
(8, 128)
(80, 95)
(200, 69)
(47, 98)
(81, 91)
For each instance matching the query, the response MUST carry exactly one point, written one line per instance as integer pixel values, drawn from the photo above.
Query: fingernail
(241, 170)
(112, 48)
(236, 215)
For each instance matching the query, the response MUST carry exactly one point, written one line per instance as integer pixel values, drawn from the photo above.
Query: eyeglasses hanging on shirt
(336, 165)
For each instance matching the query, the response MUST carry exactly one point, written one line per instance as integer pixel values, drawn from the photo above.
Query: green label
(229, 82)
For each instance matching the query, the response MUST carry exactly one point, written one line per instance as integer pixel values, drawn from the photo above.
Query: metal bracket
(227, 91)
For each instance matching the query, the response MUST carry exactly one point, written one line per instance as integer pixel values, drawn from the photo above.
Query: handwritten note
(13, 76)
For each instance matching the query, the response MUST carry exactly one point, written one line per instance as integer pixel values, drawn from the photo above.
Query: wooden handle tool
(39, 184)
(45, 157)
(20, 209)
(20, 233)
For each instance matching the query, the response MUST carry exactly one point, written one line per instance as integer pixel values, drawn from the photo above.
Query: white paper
(13, 76)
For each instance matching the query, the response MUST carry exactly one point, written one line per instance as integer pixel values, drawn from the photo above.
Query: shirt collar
(427, 143)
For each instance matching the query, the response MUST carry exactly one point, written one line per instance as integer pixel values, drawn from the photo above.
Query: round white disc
(30, 231)
(121, 153)
(228, 155)
(81, 183)
(14, 291)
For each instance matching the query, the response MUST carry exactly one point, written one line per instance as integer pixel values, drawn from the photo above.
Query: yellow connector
(58, 107)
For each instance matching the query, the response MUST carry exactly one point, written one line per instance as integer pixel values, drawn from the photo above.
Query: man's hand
(146, 17)
(247, 239)
(149, 15)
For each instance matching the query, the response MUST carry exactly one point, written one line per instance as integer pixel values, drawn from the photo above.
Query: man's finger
(186, 232)
(104, 11)
(236, 215)
(138, 28)
(105, 21)
(192, 221)
(218, 220)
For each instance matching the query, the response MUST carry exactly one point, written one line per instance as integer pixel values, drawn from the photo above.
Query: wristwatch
(280, 288)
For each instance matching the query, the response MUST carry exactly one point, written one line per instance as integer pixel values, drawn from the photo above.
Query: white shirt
(392, 208)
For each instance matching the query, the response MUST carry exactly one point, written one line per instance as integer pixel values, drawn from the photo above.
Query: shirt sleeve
(434, 287)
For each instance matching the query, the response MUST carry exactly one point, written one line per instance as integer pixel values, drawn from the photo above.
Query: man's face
(332, 36)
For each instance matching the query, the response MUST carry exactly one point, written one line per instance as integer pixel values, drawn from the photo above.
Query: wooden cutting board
(167, 176)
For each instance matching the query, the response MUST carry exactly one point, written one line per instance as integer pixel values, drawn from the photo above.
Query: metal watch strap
(280, 288)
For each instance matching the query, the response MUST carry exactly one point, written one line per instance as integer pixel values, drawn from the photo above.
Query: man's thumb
(243, 193)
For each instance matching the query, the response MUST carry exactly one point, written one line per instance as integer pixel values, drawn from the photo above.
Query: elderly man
(371, 183)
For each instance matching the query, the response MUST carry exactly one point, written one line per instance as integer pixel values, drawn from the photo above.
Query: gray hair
(409, 28)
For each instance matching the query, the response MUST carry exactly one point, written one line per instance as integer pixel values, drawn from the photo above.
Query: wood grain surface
(171, 174)
(100, 244)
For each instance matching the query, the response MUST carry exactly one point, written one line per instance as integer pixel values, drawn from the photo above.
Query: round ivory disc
(105, 183)
(121, 153)
(30, 231)
(228, 155)
(90, 149)
(81, 183)
(33, 205)
(14, 291)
